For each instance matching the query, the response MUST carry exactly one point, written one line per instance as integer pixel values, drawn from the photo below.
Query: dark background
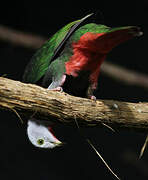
(18, 158)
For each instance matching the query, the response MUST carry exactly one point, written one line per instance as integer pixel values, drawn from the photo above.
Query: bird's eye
(40, 141)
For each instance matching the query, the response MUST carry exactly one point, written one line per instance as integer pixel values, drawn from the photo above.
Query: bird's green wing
(41, 60)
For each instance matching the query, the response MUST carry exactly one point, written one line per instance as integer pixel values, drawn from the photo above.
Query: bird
(70, 61)
(41, 136)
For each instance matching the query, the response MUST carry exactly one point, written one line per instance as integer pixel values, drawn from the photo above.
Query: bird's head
(41, 136)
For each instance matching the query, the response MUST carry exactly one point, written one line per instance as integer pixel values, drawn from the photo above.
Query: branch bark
(57, 107)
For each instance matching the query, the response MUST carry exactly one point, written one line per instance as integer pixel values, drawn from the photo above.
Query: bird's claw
(92, 97)
(59, 89)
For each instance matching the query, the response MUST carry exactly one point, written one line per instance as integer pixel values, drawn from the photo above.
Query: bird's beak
(59, 143)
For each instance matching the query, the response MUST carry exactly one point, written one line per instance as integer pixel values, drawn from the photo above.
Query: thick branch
(21, 38)
(124, 75)
(60, 107)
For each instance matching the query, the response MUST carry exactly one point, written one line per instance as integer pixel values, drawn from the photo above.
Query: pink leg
(90, 93)
(59, 88)
(93, 97)
(63, 79)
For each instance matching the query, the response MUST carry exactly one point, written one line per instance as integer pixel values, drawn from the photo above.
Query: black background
(18, 158)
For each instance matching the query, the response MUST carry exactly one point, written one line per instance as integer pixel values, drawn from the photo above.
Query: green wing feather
(41, 60)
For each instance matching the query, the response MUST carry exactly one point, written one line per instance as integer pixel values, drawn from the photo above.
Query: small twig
(130, 158)
(143, 147)
(110, 128)
(18, 115)
(102, 159)
(93, 147)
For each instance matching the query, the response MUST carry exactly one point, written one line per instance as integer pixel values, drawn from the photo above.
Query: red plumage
(91, 50)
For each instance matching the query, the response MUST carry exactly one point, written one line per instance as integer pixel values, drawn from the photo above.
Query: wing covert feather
(41, 60)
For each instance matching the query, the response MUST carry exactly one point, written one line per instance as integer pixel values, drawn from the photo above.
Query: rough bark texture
(58, 107)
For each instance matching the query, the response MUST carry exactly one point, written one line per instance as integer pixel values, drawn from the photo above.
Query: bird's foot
(59, 89)
(90, 92)
(92, 97)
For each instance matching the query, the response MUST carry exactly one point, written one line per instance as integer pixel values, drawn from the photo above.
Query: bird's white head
(41, 136)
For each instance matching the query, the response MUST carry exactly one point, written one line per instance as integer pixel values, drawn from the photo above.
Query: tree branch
(124, 75)
(58, 107)
(20, 38)
(115, 71)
